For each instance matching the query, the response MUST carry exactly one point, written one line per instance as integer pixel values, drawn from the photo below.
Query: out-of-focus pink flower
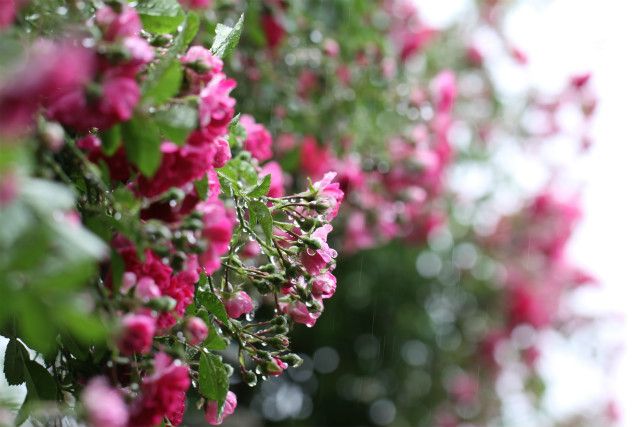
(519, 55)
(163, 393)
(579, 81)
(8, 9)
(104, 404)
(307, 82)
(258, 141)
(137, 334)
(147, 289)
(116, 25)
(464, 388)
(196, 4)
(273, 31)
(524, 306)
(238, 304)
(324, 285)
(276, 367)
(229, 407)
(445, 91)
(331, 48)
(181, 289)
(250, 249)
(197, 330)
(474, 55)
(314, 158)
(329, 192)
(315, 260)
(358, 233)
(276, 187)
(413, 41)
(201, 66)
(8, 188)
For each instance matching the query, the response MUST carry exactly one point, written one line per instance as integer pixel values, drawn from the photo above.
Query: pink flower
(314, 158)
(201, 65)
(329, 193)
(7, 12)
(115, 103)
(8, 188)
(139, 53)
(273, 31)
(324, 285)
(147, 289)
(137, 334)
(464, 388)
(276, 188)
(411, 42)
(217, 230)
(276, 367)
(181, 289)
(238, 304)
(526, 307)
(300, 313)
(229, 407)
(162, 394)
(445, 91)
(104, 404)
(258, 141)
(197, 330)
(116, 25)
(578, 81)
(331, 48)
(195, 4)
(216, 106)
(315, 260)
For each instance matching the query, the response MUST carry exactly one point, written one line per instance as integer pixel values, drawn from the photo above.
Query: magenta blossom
(229, 407)
(258, 141)
(137, 334)
(216, 106)
(276, 367)
(324, 285)
(217, 230)
(116, 25)
(238, 304)
(315, 260)
(445, 91)
(330, 193)
(300, 313)
(104, 404)
(197, 330)
(147, 289)
(195, 4)
(201, 66)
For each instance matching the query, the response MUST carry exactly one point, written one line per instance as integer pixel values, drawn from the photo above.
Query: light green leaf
(165, 85)
(160, 16)
(176, 122)
(142, 143)
(111, 140)
(212, 378)
(262, 188)
(259, 214)
(226, 38)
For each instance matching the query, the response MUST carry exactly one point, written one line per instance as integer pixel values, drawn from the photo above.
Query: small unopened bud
(161, 40)
(53, 136)
(312, 243)
(292, 360)
(279, 342)
(319, 207)
(279, 321)
(162, 304)
(250, 378)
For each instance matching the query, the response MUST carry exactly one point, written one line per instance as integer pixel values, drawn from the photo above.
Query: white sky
(562, 37)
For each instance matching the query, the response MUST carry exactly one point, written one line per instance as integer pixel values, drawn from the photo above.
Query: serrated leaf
(214, 306)
(160, 16)
(226, 38)
(165, 85)
(176, 122)
(111, 140)
(259, 214)
(40, 383)
(142, 143)
(14, 362)
(214, 341)
(212, 378)
(262, 188)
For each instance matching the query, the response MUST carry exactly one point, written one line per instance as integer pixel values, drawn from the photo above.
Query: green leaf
(262, 188)
(226, 39)
(259, 214)
(142, 143)
(14, 369)
(191, 26)
(212, 378)
(160, 16)
(214, 306)
(40, 383)
(202, 187)
(111, 140)
(176, 122)
(165, 85)
(214, 341)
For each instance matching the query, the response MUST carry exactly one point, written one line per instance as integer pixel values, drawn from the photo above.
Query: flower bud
(250, 378)
(196, 330)
(229, 407)
(275, 367)
(292, 360)
(137, 334)
(162, 304)
(238, 304)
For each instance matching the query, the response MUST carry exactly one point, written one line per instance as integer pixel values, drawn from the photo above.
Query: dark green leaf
(160, 16)
(14, 362)
(262, 188)
(142, 143)
(259, 214)
(110, 139)
(212, 378)
(40, 383)
(214, 341)
(226, 38)
(190, 30)
(166, 85)
(176, 122)
(213, 306)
